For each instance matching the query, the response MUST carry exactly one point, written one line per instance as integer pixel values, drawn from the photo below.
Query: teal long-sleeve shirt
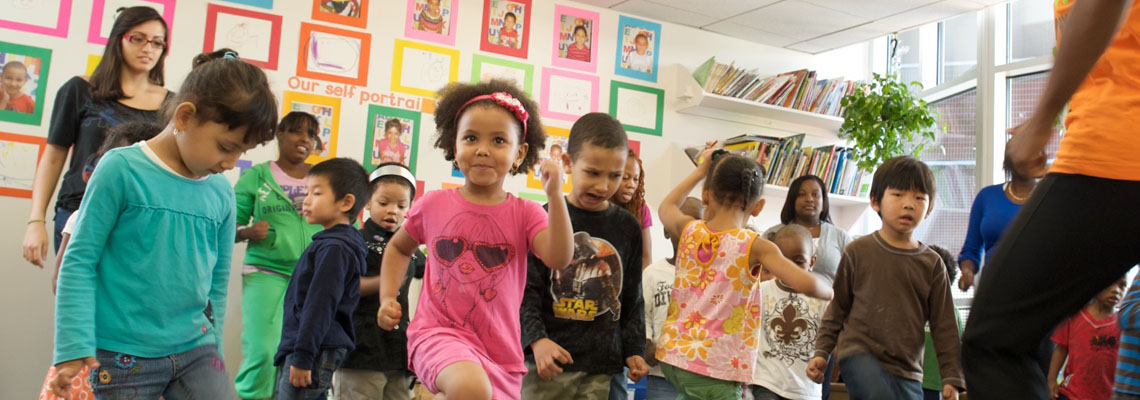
(150, 252)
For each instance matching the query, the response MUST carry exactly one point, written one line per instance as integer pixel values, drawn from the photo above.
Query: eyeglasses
(139, 40)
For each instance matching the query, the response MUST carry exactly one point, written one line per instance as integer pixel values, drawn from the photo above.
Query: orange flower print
(694, 320)
(695, 344)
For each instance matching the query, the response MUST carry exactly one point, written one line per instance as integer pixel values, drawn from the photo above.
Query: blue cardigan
(991, 213)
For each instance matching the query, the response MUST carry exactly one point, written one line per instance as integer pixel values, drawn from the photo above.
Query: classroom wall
(27, 331)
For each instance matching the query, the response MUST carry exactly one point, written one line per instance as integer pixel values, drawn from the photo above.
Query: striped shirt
(1127, 380)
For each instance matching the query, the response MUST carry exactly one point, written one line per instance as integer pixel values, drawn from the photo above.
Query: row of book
(785, 159)
(800, 89)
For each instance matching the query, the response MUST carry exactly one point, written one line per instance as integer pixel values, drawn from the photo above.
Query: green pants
(262, 305)
(696, 386)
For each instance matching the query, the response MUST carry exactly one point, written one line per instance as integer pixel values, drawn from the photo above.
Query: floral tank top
(713, 316)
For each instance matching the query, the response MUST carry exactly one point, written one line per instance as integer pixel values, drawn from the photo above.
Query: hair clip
(505, 100)
(231, 55)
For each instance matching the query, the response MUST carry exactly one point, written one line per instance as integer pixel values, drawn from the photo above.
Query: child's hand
(951, 393)
(257, 231)
(66, 371)
(300, 377)
(1054, 390)
(815, 369)
(637, 368)
(389, 315)
(546, 352)
(551, 173)
(704, 159)
(650, 353)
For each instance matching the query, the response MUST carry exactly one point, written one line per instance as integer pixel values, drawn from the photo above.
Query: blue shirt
(991, 213)
(1127, 380)
(149, 256)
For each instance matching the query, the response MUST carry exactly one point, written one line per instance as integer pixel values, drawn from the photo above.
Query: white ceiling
(810, 26)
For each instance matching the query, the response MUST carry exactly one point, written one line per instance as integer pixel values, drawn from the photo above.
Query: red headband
(505, 100)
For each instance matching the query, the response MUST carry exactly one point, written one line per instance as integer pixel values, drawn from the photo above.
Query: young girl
(270, 195)
(708, 345)
(390, 149)
(1089, 341)
(431, 18)
(154, 243)
(508, 36)
(580, 49)
(464, 340)
(631, 195)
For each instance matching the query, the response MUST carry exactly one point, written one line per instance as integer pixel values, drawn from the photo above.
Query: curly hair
(454, 95)
(638, 200)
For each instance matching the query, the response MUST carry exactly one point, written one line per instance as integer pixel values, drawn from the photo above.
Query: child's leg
(126, 376)
(397, 386)
(199, 374)
(1074, 237)
(618, 386)
(262, 298)
(463, 380)
(762, 393)
(696, 386)
(658, 388)
(865, 378)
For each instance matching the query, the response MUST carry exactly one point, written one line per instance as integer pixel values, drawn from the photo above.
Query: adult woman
(807, 205)
(126, 85)
(993, 210)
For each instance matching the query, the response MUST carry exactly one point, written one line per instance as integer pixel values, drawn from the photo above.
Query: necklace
(1009, 191)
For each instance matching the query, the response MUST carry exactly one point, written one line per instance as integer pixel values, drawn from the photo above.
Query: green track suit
(260, 198)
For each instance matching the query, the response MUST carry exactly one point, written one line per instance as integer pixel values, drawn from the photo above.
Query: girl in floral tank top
(709, 344)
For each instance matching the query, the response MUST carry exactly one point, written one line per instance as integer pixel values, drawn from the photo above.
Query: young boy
(1089, 341)
(791, 323)
(317, 330)
(378, 367)
(639, 58)
(582, 324)
(888, 285)
(657, 287)
(12, 80)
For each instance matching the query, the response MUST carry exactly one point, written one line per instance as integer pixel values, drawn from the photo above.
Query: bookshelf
(689, 97)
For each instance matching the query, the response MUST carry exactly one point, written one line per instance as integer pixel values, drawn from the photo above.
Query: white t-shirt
(69, 226)
(640, 62)
(791, 323)
(656, 288)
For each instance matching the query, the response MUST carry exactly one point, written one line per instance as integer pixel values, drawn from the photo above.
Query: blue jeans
(326, 363)
(762, 393)
(618, 387)
(867, 380)
(61, 216)
(658, 388)
(198, 373)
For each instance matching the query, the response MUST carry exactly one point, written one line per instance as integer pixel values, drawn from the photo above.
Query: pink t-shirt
(476, 272)
(1092, 355)
(293, 187)
(389, 153)
(646, 217)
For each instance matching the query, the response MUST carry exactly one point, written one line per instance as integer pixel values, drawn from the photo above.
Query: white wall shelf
(836, 200)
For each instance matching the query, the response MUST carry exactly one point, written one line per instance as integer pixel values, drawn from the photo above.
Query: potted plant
(884, 119)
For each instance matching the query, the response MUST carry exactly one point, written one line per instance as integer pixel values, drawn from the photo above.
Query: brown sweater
(883, 298)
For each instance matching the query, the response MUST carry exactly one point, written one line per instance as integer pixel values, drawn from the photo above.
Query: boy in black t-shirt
(583, 324)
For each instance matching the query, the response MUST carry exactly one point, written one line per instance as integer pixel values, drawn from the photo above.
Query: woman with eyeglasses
(126, 85)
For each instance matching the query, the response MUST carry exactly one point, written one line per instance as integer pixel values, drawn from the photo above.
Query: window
(910, 53)
(1023, 93)
(1030, 34)
(958, 46)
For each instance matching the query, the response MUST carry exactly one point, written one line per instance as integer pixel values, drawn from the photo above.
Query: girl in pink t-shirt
(465, 335)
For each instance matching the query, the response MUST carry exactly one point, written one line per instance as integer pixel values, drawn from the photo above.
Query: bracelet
(37, 220)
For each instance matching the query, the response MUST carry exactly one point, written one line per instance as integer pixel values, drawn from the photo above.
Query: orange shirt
(1102, 128)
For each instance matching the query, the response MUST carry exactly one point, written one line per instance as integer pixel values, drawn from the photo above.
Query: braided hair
(735, 179)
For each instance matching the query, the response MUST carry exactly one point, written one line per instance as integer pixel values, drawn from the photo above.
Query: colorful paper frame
(374, 111)
(615, 90)
(547, 73)
(446, 39)
(59, 30)
(359, 22)
(330, 142)
(40, 142)
(212, 11)
(637, 25)
(95, 31)
(303, 52)
(266, 4)
(562, 134)
(485, 34)
(595, 18)
(398, 66)
(34, 117)
(478, 60)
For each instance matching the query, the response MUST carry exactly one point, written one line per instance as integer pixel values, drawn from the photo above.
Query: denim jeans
(618, 386)
(198, 373)
(867, 380)
(321, 374)
(659, 388)
(61, 216)
(762, 393)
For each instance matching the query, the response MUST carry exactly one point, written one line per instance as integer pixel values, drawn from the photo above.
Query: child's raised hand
(300, 377)
(637, 368)
(388, 318)
(546, 352)
(951, 393)
(815, 369)
(551, 173)
(704, 159)
(66, 371)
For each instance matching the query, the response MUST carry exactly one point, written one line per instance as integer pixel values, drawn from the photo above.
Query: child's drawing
(333, 54)
(250, 37)
(569, 96)
(425, 69)
(18, 157)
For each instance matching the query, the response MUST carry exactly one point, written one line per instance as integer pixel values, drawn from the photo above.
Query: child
(1125, 385)
(707, 347)
(639, 59)
(164, 203)
(391, 150)
(556, 153)
(789, 325)
(887, 287)
(631, 196)
(931, 377)
(582, 324)
(580, 49)
(657, 287)
(1088, 341)
(325, 286)
(431, 18)
(12, 98)
(124, 134)
(270, 195)
(378, 367)
(508, 36)
(465, 339)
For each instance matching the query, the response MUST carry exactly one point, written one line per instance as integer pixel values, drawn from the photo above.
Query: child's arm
(767, 254)
(330, 269)
(672, 219)
(59, 260)
(834, 317)
(1060, 353)
(555, 244)
(646, 248)
(221, 279)
(534, 335)
(944, 329)
(1129, 312)
(396, 256)
(971, 253)
(633, 313)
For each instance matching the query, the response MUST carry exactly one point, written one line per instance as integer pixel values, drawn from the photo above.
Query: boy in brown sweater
(887, 287)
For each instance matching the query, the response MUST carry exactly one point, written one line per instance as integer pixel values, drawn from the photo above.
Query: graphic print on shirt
(591, 285)
(470, 270)
(790, 327)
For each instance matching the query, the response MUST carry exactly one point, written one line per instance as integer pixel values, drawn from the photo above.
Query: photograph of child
(505, 23)
(432, 16)
(574, 38)
(393, 144)
(638, 50)
(19, 78)
(347, 8)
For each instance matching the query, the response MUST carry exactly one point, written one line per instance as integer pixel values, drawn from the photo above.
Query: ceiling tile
(719, 9)
(927, 14)
(840, 39)
(873, 9)
(643, 8)
(601, 3)
(746, 33)
(808, 47)
(797, 19)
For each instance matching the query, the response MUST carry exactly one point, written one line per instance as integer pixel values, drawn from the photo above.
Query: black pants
(1074, 237)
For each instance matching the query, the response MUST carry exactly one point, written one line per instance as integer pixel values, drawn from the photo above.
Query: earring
(177, 131)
